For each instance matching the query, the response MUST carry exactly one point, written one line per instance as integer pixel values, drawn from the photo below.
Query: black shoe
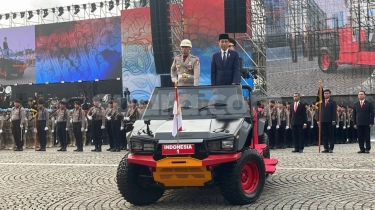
(301, 151)
(330, 151)
(113, 150)
(61, 150)
(325, 151)
(361, 151)
(118, 150)
(18, 150)
(94, 150)
(367, 151)
(43, 150)
(295, 151)
(109, 149)
(76, 150)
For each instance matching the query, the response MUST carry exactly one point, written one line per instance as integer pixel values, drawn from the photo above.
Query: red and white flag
(177, 118)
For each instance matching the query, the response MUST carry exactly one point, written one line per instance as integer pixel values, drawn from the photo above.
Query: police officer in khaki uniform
(78, 121)
(18, 116)
(42, 125)
(97, 115)
(185, 69)
(2, 144)
(62, 123)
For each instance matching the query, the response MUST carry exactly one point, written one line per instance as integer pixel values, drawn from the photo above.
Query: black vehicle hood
(191, 129)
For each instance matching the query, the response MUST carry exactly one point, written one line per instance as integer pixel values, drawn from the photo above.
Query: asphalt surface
(285, 78)
(28, 77)
(52, 180)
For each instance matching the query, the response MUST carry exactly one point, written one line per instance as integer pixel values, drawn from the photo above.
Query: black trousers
(117, 134)
(314, 134)
(364, 137)
(272, 134)
(110, 134)
(294, 54)
(307, 133)
(350, 133)
(128, 128)
(17, 133)
(62, 134)
(78, 134)
(297, 132)
(328, 131)
(97, 132)
(281, 134)
(42, 134)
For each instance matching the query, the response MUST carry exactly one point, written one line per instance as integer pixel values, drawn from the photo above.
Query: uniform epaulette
(193, 56)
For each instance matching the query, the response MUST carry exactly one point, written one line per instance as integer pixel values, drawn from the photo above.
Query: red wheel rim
(325, 60)
(249, 177)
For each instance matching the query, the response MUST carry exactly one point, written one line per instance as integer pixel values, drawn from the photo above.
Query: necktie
(361, 104)
(295, 106)
(326, 102)
(224, 57)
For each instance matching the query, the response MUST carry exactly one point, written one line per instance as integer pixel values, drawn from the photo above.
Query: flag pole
(320, 113)
(178, 101)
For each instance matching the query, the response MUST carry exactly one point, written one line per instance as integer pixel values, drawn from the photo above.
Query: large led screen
(79, 50)
(332, 40)
(17, 55)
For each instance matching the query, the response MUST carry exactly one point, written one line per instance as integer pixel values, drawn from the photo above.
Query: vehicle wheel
(20, 74)
(133, 186)
(242, 181)
(327, 62)
(263, 139)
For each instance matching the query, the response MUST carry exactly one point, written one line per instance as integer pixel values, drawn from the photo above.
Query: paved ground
(51, 180)
(28, 77)
(285, 78)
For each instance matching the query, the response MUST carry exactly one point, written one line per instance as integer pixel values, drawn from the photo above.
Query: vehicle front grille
(200, 152)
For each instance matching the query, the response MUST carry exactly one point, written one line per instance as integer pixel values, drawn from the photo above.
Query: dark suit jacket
(364, 115)
(5, 46)
(329, 112)
(225, 74)
(299, 117)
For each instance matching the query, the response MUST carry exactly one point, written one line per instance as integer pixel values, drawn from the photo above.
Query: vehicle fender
(245, 134)
(330, 52)
(261, 124)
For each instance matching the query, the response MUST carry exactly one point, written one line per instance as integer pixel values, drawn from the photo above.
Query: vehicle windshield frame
(160, 106)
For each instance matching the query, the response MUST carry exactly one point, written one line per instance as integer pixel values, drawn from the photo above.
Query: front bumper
(182, 171)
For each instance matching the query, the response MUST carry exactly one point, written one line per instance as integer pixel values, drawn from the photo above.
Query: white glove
(269, 127)
(108, 118)
(52, 131)
(1, 131)
(102, 127)
(55, 121)
(174, 80)
(122, 128)
(21, 126)
(126, 118)
(46, 128)
(25, 131)
(85, 129)
(82, 129)
(343, 127)
(287, 127)
(90, 117)
(35, 131)
(277, 126)
(337, 126)
(312, 126)
(66, 129)
(348, 126)
(71, 120)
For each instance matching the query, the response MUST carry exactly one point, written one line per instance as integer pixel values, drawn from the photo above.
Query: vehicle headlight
(214, 145)
(136, 145)
(227, 144)
(148, 147)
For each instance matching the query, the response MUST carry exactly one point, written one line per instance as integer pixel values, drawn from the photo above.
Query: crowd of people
(43, 128)
(296, 124)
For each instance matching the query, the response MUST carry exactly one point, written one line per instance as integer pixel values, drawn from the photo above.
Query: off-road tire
(263, 139)
(231, 179)
(326, 62)
(129, 187)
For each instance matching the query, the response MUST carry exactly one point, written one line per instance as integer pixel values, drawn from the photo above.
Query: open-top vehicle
(221, 144)
(10, 64)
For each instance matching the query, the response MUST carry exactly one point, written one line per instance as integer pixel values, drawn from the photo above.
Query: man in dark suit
(363, 117)
(225, 68)
(298, 122)
(328, 122)
(293, 44)
(5, 44)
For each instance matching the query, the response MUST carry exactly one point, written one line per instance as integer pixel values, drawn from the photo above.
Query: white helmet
(186, 43)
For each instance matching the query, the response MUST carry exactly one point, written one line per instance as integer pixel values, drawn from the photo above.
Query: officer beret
(63, 102)
(110, 102)
(17, 101)
(77, 102)
(134, 101)
(26, 110)
(117, 101)
(40, 102)
(49, 110)
(223, 36)
(1, 110)
(146, 102)
(350, 107)
(96, 99)
(9, 109)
